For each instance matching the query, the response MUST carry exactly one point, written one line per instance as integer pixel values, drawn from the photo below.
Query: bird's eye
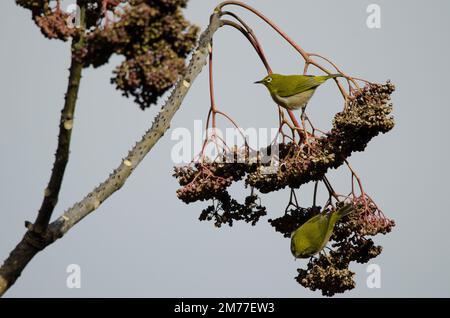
(269, 79)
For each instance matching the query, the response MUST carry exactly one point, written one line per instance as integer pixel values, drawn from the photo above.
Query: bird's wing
(297, 84)
(315, 231)
(343, 211)
(317, 224)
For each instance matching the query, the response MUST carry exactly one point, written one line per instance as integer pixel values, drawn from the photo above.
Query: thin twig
(358, 180)
(330, 188)
(315, 193)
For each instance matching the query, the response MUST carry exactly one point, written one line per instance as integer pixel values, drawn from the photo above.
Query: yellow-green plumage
(312, 236)
(293, 91)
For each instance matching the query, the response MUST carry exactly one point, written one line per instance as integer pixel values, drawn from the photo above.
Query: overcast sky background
(143, 241)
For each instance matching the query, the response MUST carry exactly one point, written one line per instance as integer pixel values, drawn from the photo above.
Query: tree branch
(33, 242)
(65, 133)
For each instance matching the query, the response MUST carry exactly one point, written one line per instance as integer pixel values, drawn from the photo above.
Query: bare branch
(65, 133)
(33, 242)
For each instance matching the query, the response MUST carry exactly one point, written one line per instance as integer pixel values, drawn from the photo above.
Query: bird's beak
(259, 82)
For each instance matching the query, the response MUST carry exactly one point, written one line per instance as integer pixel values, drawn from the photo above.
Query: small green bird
(312, 236)
(293, 91)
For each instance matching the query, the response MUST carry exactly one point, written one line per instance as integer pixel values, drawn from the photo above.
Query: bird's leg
(291, 127)
(305, 132)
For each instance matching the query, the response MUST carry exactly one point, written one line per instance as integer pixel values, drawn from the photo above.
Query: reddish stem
(358, 180)
(330, 188)
(298, 48)
(250, 35)
(255, 43)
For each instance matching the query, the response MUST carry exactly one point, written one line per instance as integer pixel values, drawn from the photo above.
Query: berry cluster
(53, 22)
(155, 39)
(152, 35)
(227, 210)
(367, 115)
(297, 165)
(293, 219)
(201, 183)
(209, 179)
(368, 221)
(322, 274)
(330, 273)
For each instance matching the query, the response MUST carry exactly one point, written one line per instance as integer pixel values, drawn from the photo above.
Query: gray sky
(145, 242)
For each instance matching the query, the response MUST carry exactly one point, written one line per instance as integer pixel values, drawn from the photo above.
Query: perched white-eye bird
(293, 91)
(312, 236)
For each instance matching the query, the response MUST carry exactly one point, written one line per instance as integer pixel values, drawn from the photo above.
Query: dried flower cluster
(53, 22)
(330, 273)
(209, 180)
(369, 221)
(293, 219)
(367, 115)
(152, 35)
(226, 210)
(364, 117)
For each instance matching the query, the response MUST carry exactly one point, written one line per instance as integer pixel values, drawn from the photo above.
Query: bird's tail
(335, 75)
(345, 210)
(324, 78)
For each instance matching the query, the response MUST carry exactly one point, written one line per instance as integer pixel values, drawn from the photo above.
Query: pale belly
(295, 101)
